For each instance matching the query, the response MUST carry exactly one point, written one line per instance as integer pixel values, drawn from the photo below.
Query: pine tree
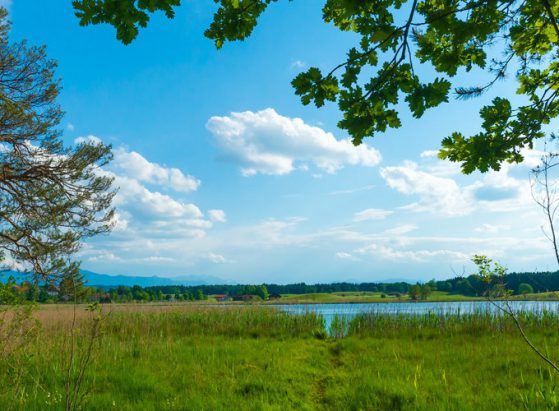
(51, 196)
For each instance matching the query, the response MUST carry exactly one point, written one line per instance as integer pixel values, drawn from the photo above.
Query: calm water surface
(329, 311)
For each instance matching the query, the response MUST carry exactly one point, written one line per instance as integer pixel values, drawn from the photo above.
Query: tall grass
(231, 322)
(256, 358)
(450, 323)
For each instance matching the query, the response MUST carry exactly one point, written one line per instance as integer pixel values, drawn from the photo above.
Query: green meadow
(256, 358)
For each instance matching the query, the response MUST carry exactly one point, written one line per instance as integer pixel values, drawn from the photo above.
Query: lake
(329, 311)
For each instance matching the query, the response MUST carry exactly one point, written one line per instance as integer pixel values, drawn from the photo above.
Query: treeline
(473, 285)
(28, 291)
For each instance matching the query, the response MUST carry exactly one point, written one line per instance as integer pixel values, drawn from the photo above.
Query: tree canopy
(397, 36)
(51, 196)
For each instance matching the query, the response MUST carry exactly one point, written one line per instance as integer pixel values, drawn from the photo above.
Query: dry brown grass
(57, 316)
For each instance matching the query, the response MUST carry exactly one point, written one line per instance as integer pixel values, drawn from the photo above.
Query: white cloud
(389, 253)
(342, 255)
(352, 190)
(371, 214)
(217, 216)
(217, 258)
(490, 228)
(90, 139)
(158, 259)
(119, 221)
(400, 230)
(8, 263)
(268, 143)
(298, 64)
(104, 257)
(429, 154)
(134, 196)
(70, 127)
(440, 189)
(150, 226)
(436, 194)
(134, 165)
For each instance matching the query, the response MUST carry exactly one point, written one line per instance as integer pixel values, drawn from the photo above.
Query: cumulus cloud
(429, 154)
(8, 263)
(436, 194)
(217, 216)
(267, 143)
(371, 214)
(440, 188)
(153, 212)
(134, 165)
(135, 196)
(120, 221)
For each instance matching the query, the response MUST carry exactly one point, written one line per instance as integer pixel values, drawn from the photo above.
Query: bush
(524, 288)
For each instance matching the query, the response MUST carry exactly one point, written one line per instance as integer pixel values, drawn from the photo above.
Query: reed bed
(203, 321)
(450, 323)
(185, 357)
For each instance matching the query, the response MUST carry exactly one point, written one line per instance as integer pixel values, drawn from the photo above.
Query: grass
(255, 358)
(545, 296)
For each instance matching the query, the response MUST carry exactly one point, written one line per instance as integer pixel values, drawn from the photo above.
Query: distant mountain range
(96, 279)
(110, 281)
(105, 280)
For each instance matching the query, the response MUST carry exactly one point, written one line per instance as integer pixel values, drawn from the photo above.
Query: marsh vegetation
(174, 357)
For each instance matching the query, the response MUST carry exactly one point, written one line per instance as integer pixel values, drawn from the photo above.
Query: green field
(188, 358)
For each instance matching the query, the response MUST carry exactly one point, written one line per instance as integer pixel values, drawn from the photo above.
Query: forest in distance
(472, 286)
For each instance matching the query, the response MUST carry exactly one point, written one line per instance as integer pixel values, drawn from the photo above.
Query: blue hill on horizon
(106, 280)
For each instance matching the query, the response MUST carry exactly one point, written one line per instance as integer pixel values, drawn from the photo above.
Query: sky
(224, 173)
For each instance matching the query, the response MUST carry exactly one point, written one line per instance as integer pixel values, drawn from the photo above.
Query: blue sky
(223, 172)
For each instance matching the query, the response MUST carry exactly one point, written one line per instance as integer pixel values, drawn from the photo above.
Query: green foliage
(52, 196)
(415, 291)
(200, 295)
(235, 19)
(125, 15)
(339, 326)
(71, 285)
(262, 292)
(18, 331)
(420, 291)
(493, 274)
(524, 289)
(395, 38)
(425, 291)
